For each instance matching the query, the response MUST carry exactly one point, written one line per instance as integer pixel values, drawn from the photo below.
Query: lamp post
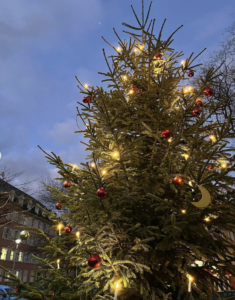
(18, 241)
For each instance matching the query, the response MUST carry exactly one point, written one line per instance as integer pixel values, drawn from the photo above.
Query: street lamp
(18, 241)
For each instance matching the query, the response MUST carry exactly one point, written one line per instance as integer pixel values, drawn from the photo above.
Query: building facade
(17, 209)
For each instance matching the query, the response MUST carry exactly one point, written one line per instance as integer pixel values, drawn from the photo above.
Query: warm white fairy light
(207, 219)
(93, 165)
(78, 234)
(124, 77)
(170, 140)
(86, 86)
(117, 286)
(131, 92)
(224, 165)
(115, 154)
(183, 211)
(212, 138)
(118, 49)
(103, 172)
(58, 263)
(190, 279)
(182, 63)
(185, 155)
(59, 227)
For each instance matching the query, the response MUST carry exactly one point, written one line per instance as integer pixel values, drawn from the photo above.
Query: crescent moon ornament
(206, 198)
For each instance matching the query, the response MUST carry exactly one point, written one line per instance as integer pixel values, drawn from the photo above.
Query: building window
(7, 276)
(35, 223)
(18, 273)
(30, 240)
(41, 226)
(29, 204)
(12, 254)
(4, 254)
(6, 233)
(1, 275)
(27, 257)
(21, 200)
(36, 209)
(25, 276)
(20, 256)
(32, 274)
(30, 222)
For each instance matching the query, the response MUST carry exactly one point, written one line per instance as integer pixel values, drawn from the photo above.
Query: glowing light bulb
(182, 63)
(170, 140)
(131, 92)
(117, 285)
(86, 86)
(212, 138)
(93, 165)
(124, 77)
(136, 50)
(207, 219)
(58, 263)
(224, 166)
(78, 233)
(103, 172)
(185, 155)
(119, 49)
(116, 154)
(183, 211)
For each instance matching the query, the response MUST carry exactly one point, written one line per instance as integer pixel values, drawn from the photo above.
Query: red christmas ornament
(190, 73)
(133, 87)
(210, 167)
(58, 205)
(94, 261)
(196, 112)
(67, 184)
(139, 90)
(158, 56)
(102, 193)
(86, 99)
(199, 102)
(68, 229)
(178, 180)
(166, 134)
(208, 92)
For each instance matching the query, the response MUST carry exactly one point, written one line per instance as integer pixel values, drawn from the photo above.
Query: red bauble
(208, 92)
(133, 87)
(67, 184)
(139, 90)
(86, 99)
(166, 134)
(196, 112)
(94, 261)
(65, 174)
(58, 205)
(210, 167)
(102, 193)
(68, 229)
(158, 56)
(199, 102)
(190, 73)
(178, 180)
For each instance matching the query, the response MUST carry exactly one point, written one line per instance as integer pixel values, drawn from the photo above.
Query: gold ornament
(206, 198)
(24, 235)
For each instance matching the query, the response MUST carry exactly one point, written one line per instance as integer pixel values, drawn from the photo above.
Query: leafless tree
(44, 194)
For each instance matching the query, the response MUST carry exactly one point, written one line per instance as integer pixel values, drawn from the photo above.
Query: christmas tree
(148, 214)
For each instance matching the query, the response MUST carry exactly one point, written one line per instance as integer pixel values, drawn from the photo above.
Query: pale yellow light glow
(60, 226)
(86, 86)
(136, 50)
(183, 211)
(169, 140)
(93, 165)
(190, 278)
(212, 138)
(131, 92)
(103, 172)
(117, 285)
(182, 63)
(125, 77)
(224, 166)
(207, 219)
(185, 155)
(58, 261)
(78, 233)
(119, 49)
(116, 154)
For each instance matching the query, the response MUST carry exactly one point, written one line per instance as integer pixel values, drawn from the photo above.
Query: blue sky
(44, 44)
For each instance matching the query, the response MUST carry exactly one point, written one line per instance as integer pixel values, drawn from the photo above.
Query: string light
(103, 172)
(116, 291)
(183, 211)
(78, 233)
(185, 155)
(59, 227)
(124, 77)
(224, 165)
(131, 92)
(86, 86)
(118, 49)
(115, 154)
(212, 138)
(207, 219)
(93, 165)
(169, 140)
(190, 279)
(117, 285)
(182, 63)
